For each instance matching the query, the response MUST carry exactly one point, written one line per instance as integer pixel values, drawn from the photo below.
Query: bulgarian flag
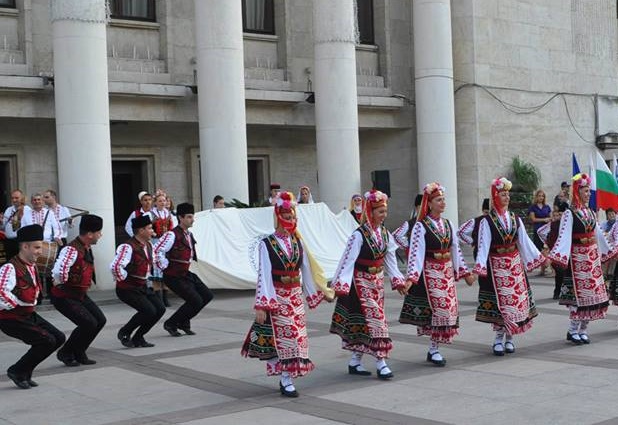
(606, 185)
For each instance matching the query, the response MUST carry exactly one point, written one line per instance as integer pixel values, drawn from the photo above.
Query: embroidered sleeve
(344, 274)
(543, 232)
(606, 249)
(63, 264)
(265, 295)
(484, 243)
(124, 252)
(313, 295)
(416, 255)
(8, 300)
(127, 226)
(400, 235)
(161, 248)
(390, 264)
(561, 251)
(530, 255)
(460, 269)
(465, 232)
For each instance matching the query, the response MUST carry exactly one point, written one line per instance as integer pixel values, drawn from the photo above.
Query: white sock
(380, 363)
(499, 337)
(433, 347)
(356, 358)
(583, 326)
(574, 326)
(509, 338)
(286, 381)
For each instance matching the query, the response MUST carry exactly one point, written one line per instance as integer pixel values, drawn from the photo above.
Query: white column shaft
(435, 104)
(336, 106)
(221, 100)
(82, 118)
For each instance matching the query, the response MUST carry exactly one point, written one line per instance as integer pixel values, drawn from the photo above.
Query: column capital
(94, 11)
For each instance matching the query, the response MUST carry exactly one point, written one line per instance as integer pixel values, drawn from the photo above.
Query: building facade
(509, 57)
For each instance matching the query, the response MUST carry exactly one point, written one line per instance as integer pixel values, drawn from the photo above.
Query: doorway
(129, 177)
(8, 179)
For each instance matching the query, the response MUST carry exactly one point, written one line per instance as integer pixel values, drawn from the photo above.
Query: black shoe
(85, 360)
(434, 361)
(556, 296)
(125, 339)
(285, 392)
(381, 375)
(353, 370)
(574, 338)
(509, 347)
(584, 338)
(172, 330)
(32, 383)
(188, 331)
(67, 360)
(142, 343)
(20, 381)
(498, 352)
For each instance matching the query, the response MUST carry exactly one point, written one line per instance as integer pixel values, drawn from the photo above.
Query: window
(258, 16)
(7, 3)
(365, 21)
(138, 10)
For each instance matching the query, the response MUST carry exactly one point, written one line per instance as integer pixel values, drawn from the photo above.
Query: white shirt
(8, 226)
(51, 227)
(62, 212)
(128, 228)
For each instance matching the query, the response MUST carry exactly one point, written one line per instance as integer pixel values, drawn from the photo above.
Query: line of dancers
(503, 255)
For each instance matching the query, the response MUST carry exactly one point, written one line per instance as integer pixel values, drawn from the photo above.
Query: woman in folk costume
(505, 254)
(359, 284)
(278, 334)
(356, 207)
(580, 248)
(162, 221)
(435, 262)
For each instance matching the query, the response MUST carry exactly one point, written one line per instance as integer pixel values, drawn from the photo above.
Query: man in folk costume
(505, 254)
(359, 284)
(132, 267)
(469, 231)
(162, 221)
(62, 213)
(435, 262)
(145, 200)
(402, 234)
(580, 248)
(73, 274)
(19, 290)
(286, 270)
(173, 254)
(12, 221)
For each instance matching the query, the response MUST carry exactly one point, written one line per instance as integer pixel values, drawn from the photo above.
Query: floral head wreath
(579, 180)
(372, 200)
(430, 192)
(501, 184)
(285, 202)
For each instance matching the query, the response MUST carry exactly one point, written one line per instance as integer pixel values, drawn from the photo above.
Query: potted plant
(526, 178)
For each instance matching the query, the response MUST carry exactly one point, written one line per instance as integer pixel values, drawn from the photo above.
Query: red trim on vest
(179, 256)
(26, 289)
(80, 275)
(137, 267)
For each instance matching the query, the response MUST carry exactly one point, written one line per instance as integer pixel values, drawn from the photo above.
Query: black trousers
(43, 337)
(558, 280)
(149, 308)
(89, 320)
(195, 294)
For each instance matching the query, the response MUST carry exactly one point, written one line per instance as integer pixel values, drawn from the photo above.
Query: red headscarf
(501, 184)
(430, 192)
(579, 180)
(372, 200)
(285, 203)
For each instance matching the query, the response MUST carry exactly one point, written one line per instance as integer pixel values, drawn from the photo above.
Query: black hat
(141, 221)
(275, 186)
(418, 200)
(562, 206)
(485, 205)
(564, 184)
(90, 223)
(185, 208)
(31, 233)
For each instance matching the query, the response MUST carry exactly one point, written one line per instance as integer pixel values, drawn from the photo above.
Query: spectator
(539, 213)
(607, 225)
(305, 196)
(218, 202)
(275, 188)
(563, 195)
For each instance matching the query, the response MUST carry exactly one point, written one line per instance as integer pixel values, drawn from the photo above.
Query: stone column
(221, 100)
(336, 105)
(435, 104)
(82, 118)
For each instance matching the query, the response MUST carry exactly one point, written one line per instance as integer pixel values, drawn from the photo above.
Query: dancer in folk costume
(505, 254)
(162, 222)
(359, 284)
(580, 248)
(403, 232)
(279, 334)
(469, 231)
(435, 262)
